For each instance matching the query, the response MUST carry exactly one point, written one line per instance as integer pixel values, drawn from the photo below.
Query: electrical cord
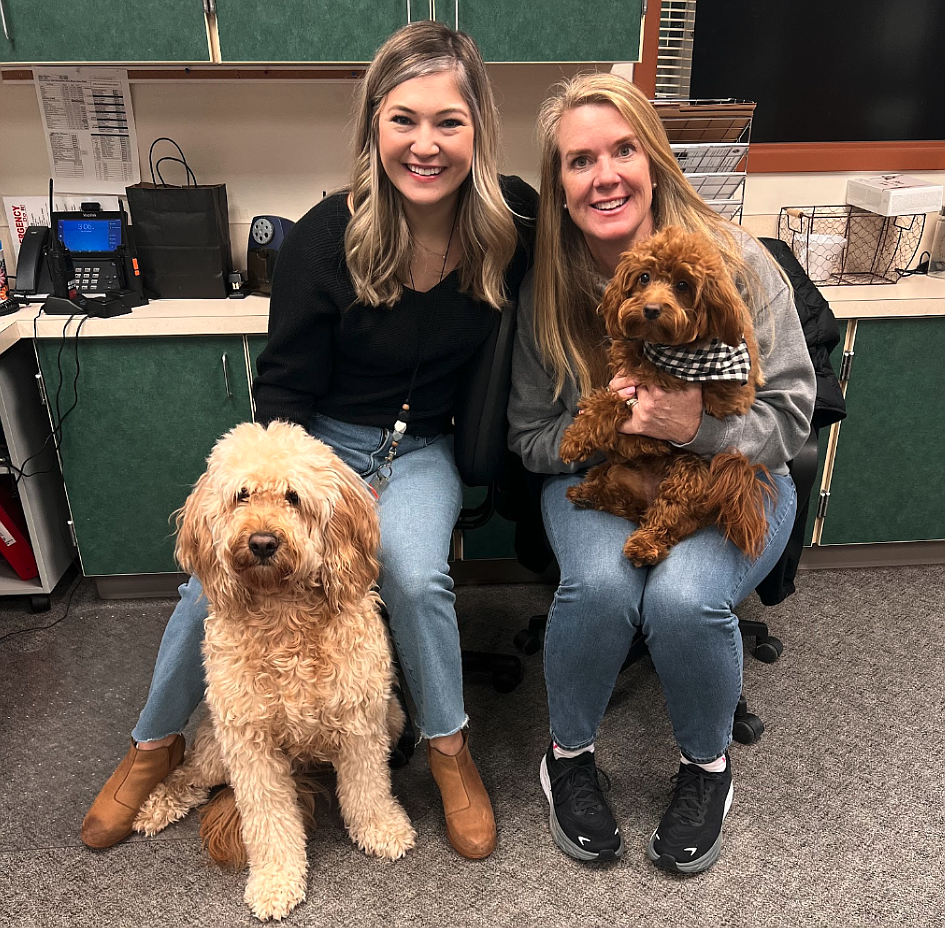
(39, 628)
(921, 268)
(58, 418)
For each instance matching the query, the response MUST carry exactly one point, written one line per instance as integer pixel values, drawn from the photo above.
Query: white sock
(564, 752)
(716, 766)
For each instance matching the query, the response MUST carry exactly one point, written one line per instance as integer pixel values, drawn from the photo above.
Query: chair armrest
(803, 469)
(481, 420)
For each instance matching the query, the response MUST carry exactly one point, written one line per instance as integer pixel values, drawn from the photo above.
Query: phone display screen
(90, 235)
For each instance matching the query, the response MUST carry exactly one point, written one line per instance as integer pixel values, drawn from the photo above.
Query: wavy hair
(378, 246)
(568, 284)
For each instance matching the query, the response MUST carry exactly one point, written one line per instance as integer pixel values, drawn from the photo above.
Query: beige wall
(278, 145)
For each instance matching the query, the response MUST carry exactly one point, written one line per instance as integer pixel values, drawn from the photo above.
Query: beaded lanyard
(400, 426)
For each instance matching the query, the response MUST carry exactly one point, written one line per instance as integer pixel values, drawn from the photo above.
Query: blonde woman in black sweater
(383, 294)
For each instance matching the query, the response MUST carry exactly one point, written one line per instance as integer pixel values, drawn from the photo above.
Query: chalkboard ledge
(819, 157)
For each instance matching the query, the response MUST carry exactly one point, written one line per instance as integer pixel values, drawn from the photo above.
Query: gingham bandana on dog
(715, 361)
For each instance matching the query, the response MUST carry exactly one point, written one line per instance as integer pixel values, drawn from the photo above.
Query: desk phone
(94, 241)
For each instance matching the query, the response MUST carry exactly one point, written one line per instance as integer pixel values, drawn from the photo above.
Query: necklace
(436, 254)
(400, 426)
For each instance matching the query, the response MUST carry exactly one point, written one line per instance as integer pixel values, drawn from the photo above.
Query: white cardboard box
(894, 194)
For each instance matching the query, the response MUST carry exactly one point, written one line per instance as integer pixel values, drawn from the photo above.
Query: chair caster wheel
(527, 642)
(39, 604)
(506, 673)
(768, 650)
(747, 729)
(505, 682)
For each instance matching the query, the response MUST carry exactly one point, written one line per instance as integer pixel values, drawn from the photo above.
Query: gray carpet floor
(838, 818)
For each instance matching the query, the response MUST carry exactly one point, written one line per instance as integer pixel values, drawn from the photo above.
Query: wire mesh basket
(847, 245)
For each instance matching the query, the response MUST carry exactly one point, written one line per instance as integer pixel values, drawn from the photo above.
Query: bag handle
(190, 174)
(156, 166)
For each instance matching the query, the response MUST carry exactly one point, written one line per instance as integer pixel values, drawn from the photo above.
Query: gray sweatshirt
(771, 433)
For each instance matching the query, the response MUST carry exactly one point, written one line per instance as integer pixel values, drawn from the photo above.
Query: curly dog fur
(283, 536)
(671, 289)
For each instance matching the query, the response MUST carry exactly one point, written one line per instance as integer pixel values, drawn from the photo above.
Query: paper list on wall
(90, 129)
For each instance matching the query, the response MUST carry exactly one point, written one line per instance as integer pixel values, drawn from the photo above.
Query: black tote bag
(181, 234)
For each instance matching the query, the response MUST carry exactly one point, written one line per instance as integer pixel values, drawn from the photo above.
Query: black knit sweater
(329, 353)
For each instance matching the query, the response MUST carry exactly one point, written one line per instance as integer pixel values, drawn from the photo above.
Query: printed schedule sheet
(89, 127)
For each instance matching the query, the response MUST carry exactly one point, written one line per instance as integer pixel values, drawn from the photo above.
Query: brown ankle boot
(110, 818)
(470, 825)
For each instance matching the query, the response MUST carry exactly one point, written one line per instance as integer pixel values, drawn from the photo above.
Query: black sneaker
(581, 821)
(689, 836)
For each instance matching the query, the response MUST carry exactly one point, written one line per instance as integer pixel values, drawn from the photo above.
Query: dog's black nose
(651, 311)
(263, 544)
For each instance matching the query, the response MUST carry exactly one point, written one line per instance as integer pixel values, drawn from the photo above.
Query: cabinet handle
(3, 18)
(455, 13)
(431, 8)
(226, 378)
(39, 377)
(846, 366)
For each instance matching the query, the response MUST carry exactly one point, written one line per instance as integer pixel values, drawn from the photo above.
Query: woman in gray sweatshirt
(608, 180)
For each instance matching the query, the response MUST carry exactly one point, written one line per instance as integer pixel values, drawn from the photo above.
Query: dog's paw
(165, 806)
(271, 893)
(390, 837)
(582, 496)
(571, 449)
(644, 552)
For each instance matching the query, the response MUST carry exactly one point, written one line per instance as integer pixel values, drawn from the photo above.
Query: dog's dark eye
(292, 498)
(682, 286)
(242, 496)
(643, 279)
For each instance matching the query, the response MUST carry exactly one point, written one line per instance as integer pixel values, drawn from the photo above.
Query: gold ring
(632, 402)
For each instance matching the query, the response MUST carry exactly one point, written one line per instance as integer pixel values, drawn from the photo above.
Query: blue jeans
(684, 607)
(418, 509)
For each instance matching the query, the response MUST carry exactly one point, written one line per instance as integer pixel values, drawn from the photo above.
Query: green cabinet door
(300, 30)
(560, 30)
(99, 30)
(887, 475)
(147, 412)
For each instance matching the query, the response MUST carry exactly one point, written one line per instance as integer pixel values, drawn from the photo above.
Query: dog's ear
(610, 305)
(616, 293)
(194, 549)
(352, 538)
(725, 314)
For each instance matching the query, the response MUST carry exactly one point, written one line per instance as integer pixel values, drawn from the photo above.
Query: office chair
(480, 448)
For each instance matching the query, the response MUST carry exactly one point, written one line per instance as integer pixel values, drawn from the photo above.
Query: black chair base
(504, 670)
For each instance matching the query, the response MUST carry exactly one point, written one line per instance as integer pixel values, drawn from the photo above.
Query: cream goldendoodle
(283, 536)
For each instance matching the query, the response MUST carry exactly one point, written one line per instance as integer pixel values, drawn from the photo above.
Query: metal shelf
(710, 139)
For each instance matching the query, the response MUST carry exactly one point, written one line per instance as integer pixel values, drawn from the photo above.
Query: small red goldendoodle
(672, 306)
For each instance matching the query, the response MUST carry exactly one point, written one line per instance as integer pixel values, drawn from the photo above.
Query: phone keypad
(96, 278)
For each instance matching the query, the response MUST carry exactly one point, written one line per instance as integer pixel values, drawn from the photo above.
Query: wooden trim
(818, 157)
(644, 72)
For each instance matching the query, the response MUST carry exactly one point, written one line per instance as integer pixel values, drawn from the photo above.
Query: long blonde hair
(377, 243)
(567, 281)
